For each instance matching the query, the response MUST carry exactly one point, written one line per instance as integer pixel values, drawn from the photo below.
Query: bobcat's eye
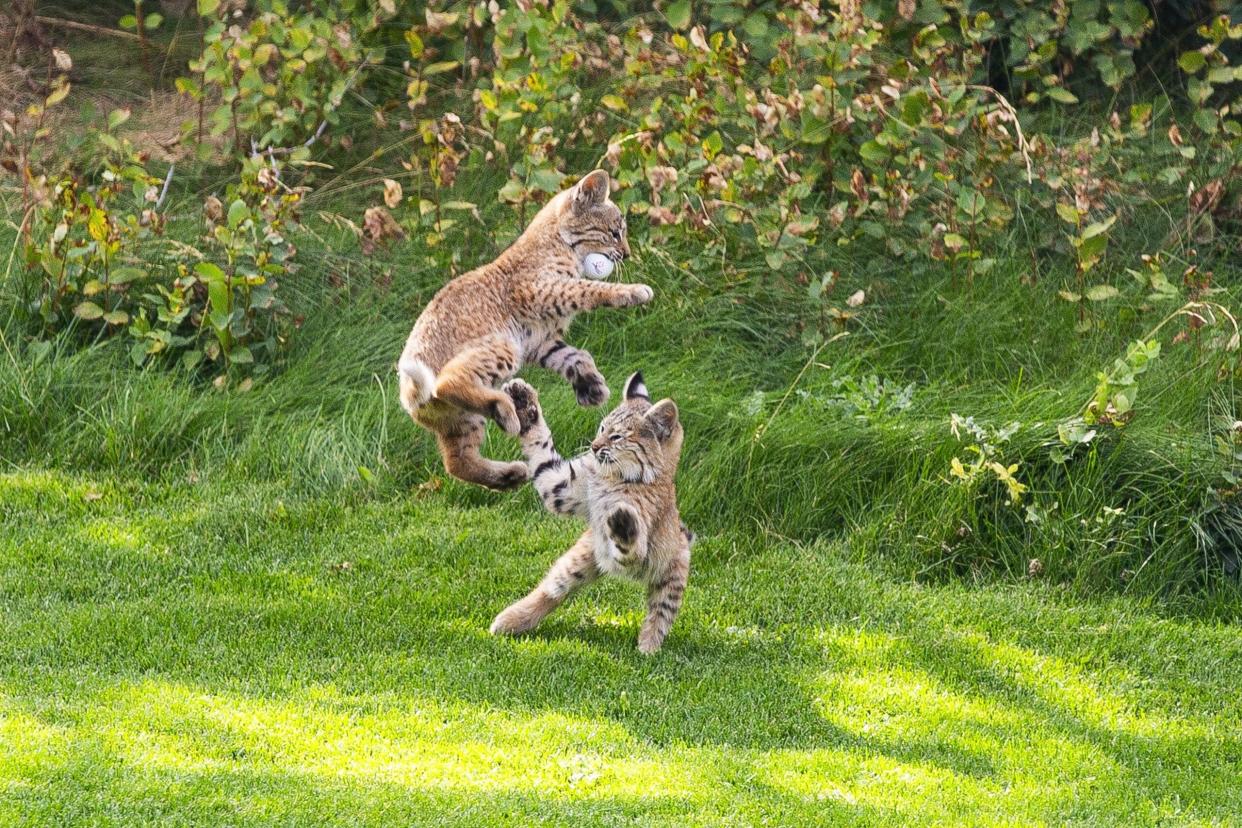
(616, 235)
(616, 438)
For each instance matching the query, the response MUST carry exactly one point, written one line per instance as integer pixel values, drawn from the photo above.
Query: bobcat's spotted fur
(481, 327)
(623, 487)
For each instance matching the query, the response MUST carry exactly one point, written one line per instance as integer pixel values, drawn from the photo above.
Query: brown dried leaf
(392, 193)
(378, 227)
(1208, 197)
(859, 185)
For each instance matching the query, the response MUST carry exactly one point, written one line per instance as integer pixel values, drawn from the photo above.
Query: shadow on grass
(155, 651)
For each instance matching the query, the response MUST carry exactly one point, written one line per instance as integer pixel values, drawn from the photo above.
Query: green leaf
(971, 202)
(122, 275)
(1205, 120)
(872, 152)
(954, 241)
(415, 42)
(1069, 296)
(210, 271)
(116, 317)
(153, 21)
(512, 192)
(1191, 62)
(1062, 95)
(614, 102)
(1101, 293)
(238, 212)
(1098, 227)
(207, 8)
(1068, 213)
(678, 14)
(440, 67)
(128, 22)
(713, 144)
(117, 117)
(88, 311)
(241, 355)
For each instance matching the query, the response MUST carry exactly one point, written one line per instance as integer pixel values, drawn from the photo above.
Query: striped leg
(663, 601)
(573, 570)
(561, 483)
(578, 367)
(468, 380)
(459, 447)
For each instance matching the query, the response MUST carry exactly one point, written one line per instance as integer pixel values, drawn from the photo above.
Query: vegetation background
(945, 294)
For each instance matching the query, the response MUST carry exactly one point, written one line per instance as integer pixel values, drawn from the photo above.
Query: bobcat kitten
(481, 327)
(623, 487)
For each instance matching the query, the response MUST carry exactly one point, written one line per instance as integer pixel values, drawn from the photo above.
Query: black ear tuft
(635, 388)
(661, 420)
(592, 190)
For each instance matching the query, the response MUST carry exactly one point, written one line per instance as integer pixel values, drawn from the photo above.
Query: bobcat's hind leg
(573, 570)
(469, 380)
(663, 601)
(459, 446)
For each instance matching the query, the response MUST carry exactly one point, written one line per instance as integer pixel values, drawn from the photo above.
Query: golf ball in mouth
(597, 266)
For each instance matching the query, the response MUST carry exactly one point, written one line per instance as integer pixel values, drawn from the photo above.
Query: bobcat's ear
(591, 191)
(635, 388)
(661, 420)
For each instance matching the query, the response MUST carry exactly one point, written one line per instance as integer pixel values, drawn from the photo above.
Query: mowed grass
(190, 653)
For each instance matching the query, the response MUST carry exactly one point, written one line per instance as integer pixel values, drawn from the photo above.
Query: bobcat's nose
(625, 248)
(598, 444)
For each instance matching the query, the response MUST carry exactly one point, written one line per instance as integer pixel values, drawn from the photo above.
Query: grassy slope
(187, 649)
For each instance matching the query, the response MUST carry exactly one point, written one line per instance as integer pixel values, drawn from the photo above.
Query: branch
(86, 27)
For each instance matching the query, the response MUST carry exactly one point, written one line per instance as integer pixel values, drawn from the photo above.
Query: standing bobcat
(623, 487)
(481, 327)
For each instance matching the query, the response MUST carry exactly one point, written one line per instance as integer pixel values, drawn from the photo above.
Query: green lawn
(190, 653)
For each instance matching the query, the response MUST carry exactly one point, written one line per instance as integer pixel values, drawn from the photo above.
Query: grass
(270, 607)
(193, 653)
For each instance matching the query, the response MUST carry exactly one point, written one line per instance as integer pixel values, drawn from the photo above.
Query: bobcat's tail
(417, 381)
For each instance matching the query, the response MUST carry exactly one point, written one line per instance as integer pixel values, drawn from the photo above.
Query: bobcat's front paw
(590, 388)
(641, 295)
(623, 529)
(525, 402)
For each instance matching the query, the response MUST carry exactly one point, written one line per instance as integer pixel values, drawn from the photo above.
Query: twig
(322, 126)
(167, 181)
(86, 27)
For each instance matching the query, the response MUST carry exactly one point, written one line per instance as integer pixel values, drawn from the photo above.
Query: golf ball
(597, 266)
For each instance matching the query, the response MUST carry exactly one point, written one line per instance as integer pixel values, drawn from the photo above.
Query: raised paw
(590, 388)
(641, 295)
(505, 415)
(512, 476)
(525, 402)
(623, 528)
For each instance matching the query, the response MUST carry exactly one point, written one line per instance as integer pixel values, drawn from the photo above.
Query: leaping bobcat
(481, 327)
(623, 487)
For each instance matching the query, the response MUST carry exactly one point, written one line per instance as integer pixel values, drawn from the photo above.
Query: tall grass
(770, 451)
